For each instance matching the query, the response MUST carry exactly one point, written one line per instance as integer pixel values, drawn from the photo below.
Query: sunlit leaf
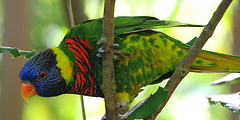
(231, 101)
(16, 53)
(230, 78)
(150, 106)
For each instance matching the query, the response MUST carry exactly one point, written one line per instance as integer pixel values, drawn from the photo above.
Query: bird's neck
(85, 82)
(64, 64)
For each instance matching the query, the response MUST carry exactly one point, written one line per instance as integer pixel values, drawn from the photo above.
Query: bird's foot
(115, 58)
(121, 105)
(115, 46)
(101, 52)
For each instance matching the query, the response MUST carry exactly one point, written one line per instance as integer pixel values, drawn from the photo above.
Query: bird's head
(41, 75)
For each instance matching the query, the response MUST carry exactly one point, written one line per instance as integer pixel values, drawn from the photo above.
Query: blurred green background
(38, 24)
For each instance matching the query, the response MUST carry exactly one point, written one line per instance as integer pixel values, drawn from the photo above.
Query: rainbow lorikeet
(145, 57)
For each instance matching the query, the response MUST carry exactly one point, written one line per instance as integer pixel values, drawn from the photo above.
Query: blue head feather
(51, 85)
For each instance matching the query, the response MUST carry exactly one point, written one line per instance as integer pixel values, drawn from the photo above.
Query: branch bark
(183, 66)
(108, 85)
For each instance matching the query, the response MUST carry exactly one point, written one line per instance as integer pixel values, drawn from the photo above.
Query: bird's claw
(99, 55)
(115, 46)
(101, 51)
(115, 51)
(115, 58)
(121, 105)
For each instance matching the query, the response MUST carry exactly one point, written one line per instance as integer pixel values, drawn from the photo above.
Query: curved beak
(27, 90)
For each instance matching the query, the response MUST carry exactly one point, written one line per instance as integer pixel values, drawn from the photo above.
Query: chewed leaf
(231, 101)
(16, 53)
(150, 106)
(230, 78)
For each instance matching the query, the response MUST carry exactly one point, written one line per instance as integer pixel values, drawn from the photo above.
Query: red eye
(42, 74)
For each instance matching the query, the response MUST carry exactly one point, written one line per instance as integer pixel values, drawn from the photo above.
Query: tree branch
(183, 66)
(108, 85)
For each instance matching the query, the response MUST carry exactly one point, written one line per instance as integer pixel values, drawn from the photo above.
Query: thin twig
(83, 107)
(70, 12)
(183, 66)
(71, 17)
(108, 85)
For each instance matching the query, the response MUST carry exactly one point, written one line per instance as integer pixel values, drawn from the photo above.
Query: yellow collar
(64, 64)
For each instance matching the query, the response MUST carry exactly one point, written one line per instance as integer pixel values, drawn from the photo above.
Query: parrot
(145, 57)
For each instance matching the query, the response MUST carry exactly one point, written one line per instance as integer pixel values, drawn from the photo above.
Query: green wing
(148, 55)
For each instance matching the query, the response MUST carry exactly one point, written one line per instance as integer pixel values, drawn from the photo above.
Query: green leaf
(192, 41)
(230, 78)
(16, 53)
(150, 106)
(231, 101)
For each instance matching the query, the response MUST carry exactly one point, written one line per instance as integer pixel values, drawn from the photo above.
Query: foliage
(150, 106)
(231, 101)
(16, 52)
(230, 78)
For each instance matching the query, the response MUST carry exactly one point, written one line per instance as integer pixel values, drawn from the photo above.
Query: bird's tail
(215, 62)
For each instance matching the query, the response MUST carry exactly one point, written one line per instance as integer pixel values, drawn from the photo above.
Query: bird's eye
(42, 74)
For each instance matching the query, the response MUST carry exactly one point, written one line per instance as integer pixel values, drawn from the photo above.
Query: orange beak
(27, 90)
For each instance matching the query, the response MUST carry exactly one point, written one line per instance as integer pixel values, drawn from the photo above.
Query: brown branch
(108, 85)
(183, 66)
